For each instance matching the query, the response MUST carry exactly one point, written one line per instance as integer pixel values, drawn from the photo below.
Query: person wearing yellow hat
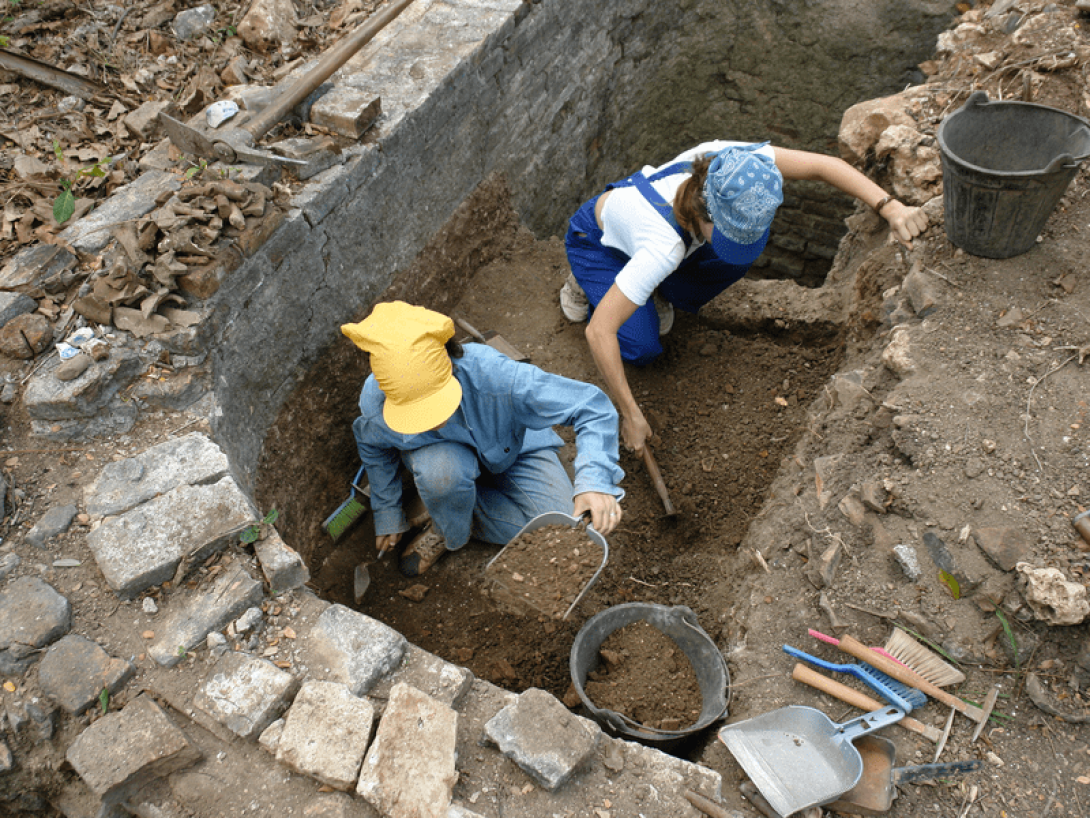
(475, 430)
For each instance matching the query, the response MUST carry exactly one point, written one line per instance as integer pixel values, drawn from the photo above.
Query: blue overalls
(698, 279)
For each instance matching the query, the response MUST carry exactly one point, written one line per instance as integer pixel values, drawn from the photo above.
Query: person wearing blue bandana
(677, 236)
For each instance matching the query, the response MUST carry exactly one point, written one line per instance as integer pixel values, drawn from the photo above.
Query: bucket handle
(1065, 161)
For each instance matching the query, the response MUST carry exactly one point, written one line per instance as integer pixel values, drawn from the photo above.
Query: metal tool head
(231, 145)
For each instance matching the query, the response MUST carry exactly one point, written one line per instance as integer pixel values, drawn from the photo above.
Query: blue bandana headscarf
(743, 190)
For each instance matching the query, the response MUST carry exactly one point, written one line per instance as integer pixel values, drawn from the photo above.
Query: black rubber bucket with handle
(679, 623)
(1005, 167)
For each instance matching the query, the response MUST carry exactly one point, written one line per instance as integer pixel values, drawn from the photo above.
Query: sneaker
(422, 553)
(665, 311)
(573, 301)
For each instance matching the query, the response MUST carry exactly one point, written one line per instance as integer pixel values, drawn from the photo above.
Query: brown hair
(689, 206)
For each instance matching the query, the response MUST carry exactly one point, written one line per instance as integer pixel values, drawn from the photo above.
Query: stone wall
(559, 97)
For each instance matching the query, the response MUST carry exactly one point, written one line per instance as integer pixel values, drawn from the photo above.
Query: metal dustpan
(508, 597)
(877, 788)
(798, 757)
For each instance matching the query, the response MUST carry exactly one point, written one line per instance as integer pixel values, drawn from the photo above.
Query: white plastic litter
(220, 112)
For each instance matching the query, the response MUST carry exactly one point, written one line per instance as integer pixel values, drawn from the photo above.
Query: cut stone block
(347, 647)
(346, 111)
(93, 232)
(32, 614)
(75, 670)
(283, 567)
(549, 756)
(123, 484)
(409, 771)
(326, 733)
(246, 694)
(125, 751)
(143, 546)
(191, 619)
(33, 265)
(49, 399)
(429, 674)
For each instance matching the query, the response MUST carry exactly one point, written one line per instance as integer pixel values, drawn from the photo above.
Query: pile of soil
(645, 676)
(545, 570)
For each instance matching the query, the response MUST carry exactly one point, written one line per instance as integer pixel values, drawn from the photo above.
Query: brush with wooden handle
(851, 696)
(901, 673)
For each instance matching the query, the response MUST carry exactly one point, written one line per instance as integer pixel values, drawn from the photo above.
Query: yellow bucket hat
(410, 363)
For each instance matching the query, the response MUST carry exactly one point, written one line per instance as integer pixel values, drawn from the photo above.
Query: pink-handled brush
(832, 640)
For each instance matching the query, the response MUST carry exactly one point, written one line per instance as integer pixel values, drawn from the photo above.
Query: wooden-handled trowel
(237, 144)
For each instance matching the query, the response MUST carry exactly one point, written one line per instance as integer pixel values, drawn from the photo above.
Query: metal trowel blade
(361, 581)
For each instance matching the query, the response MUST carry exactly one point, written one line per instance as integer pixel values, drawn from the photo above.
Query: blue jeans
(696, 281)
(465, 501)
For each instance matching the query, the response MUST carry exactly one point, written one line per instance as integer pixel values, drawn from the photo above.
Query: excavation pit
(728, 409)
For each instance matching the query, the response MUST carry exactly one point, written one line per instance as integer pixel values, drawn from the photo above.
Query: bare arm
(905, 222)
(612, 311)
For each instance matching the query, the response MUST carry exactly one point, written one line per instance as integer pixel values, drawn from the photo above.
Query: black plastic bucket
(1005, 166)
(679, 624)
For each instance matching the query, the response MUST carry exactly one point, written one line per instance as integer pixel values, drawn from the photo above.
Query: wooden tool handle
(329, 64)
(902, 673)
(706, 805)
(851, 696)
(468, 328)
(656, 478)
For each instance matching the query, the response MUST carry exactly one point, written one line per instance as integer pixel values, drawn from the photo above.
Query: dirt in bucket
(544, 570)
(645, 676)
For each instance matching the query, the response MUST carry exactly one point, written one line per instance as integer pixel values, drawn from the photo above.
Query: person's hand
(635, 431)
(905, 222)
(386, 542)
(605, 511)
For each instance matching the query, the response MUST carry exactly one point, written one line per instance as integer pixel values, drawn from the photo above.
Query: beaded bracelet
(885, 200)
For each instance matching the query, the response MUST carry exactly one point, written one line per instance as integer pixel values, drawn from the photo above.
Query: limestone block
(48, 399)
(347, 647)
(326, 732)
(75, 670)
(93, 232)
(346, 111)
(409, 771)
(191, 618)
(123, 484)
(245, 693)
(283, 567)
(268, 24)
(49, 525)
(548, 741)
(33, 265)
(429, 674)
(143, 546)
(897, 356)
(32, 615)
(194, 22)
(125, 751)
(1052, 598)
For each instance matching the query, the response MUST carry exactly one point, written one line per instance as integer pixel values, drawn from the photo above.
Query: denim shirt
(507, 408)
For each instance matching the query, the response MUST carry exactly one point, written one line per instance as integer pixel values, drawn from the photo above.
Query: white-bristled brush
(923, 660)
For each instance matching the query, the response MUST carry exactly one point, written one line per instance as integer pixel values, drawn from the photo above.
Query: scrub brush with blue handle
(896, 693)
